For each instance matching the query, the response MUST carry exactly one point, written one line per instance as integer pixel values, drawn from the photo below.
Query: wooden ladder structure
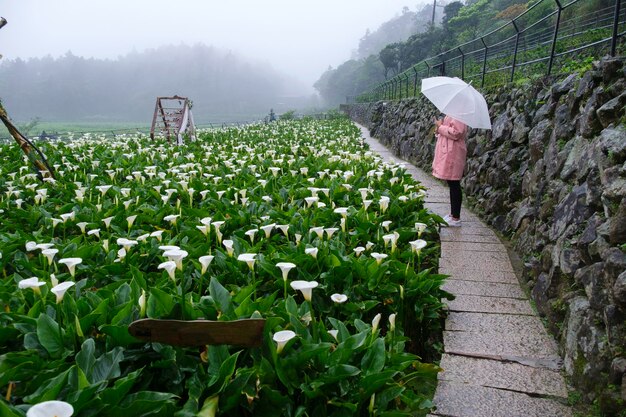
(172, 116)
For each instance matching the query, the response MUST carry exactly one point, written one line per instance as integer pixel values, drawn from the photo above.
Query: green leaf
(49, 336)
(342, 404)
(334, 261)
(144, 404)
(343, 330)
(220, 380)
(107, 366)
(373, 382)
(160, 304)
(124, 316)
(98, 316)
(222, 299)
(49, 390)
(339, 372)
(85, 359)
(122, 294)
(119, 335)
(209, 408)
(374, 359)
(120, 389)
(388, 394)
(308, 352)
(232, 394)
(347, 348)
(7, 411)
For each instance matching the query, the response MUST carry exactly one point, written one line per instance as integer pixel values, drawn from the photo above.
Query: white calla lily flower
(281, 338)
(170, 267)
(60, 290)
(311, 251)
(305, 287)
(32, 283)
(379, 257)
(205, 261)
(375, 322)
(285, 267)
(51, 409)
(71, 264)
(49, 254)
(418, 245)
(339, 298)
(248, 258)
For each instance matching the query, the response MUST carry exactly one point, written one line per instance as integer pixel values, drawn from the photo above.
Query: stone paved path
(498, 358)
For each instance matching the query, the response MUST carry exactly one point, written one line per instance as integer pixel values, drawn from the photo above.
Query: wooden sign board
(246, 332)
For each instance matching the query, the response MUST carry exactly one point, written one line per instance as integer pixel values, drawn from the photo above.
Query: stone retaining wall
(551, 176)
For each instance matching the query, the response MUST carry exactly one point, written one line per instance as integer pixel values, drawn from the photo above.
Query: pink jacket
(450, 150)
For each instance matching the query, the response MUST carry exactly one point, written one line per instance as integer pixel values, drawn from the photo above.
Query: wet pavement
(498, 358)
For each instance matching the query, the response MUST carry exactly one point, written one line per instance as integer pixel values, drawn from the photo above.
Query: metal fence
(543, 40)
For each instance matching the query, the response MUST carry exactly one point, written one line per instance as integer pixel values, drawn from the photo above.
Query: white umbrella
(457, 99)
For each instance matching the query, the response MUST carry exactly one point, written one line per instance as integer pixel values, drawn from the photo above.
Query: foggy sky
(300, 38)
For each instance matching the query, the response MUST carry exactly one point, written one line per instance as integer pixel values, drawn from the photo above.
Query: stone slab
(488, 289)
(473, 247)
(463, 400)
(481, 304)
(467, 237)
(443, 207)
(485, 322)
(478, 275)
(504, 375)
(525, 348)
(474, 256)
(469, 228)
(466, 262)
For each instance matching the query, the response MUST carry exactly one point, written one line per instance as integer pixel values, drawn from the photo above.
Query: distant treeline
(72, 88)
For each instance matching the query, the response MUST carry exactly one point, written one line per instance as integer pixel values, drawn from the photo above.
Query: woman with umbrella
(463, 106)
(449, 162)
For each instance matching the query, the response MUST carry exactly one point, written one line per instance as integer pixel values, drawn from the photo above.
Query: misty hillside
(70, 88)
(366, 69)
(397, 29)
(456, 22)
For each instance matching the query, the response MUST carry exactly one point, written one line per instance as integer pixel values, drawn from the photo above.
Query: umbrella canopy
(457, 99)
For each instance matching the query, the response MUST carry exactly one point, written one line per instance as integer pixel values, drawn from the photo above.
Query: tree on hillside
(350, 78)
(390, 57)
(419, 47)
(466, 25)
(450, 11)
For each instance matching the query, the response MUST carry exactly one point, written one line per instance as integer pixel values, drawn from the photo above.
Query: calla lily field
(294, 222)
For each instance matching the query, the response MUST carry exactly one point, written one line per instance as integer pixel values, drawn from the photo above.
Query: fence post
(462, 63)
(428, 66)
(415, 83)
(482, 82)
(407, 85)
(556, 34)
(397, 89)
(515, 50)
(615, 27)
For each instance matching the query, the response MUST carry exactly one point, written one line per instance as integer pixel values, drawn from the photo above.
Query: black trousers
(456, 198)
